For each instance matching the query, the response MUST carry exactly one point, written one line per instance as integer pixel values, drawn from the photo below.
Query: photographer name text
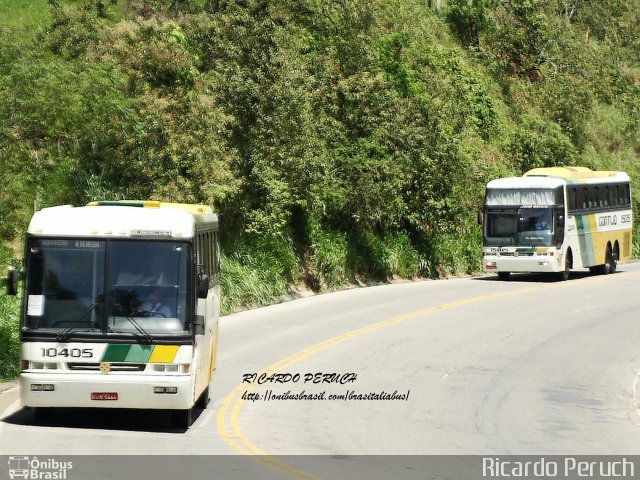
(494, 467)
(317, 377)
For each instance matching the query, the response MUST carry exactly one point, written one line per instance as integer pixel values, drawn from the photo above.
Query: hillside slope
(341, 140)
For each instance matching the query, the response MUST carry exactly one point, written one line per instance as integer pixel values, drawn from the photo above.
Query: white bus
(121, 307)
(557, 219)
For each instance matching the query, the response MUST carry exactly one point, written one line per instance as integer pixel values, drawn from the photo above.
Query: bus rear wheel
(610, 262)
(615, 258)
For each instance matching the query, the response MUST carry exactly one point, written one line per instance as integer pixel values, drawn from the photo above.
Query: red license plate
(104, 395)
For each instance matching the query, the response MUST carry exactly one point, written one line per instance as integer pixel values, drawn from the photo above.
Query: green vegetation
(9, 339)
(342, 140)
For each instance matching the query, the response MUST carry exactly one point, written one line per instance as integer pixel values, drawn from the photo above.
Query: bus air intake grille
(115, 367)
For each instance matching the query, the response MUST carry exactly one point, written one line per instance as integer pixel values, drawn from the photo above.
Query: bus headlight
(169, 390)
(171, 367)
(42, 387)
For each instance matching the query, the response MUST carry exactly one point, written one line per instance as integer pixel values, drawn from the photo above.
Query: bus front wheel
(568, 265)
(42, 414)
(182, 418)
(203, 400)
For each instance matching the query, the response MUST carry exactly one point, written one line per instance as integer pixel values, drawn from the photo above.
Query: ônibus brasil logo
(33, 468)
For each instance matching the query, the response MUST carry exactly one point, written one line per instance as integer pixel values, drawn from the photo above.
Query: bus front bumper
(534, 264)
(106, 391)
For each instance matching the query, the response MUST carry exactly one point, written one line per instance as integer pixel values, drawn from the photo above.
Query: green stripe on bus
(139, 353)
(116, 353)
(584, 238)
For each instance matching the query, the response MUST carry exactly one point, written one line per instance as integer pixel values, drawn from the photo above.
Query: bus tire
(609, 262)
(203, 400)
(182, 418)
(616, 257)
(568, 264)
(609, 265)
(504, 276)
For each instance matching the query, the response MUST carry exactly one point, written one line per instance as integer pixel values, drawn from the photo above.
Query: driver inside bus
(154, 305)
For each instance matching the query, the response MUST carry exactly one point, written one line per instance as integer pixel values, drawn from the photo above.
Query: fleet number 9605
(67, 352)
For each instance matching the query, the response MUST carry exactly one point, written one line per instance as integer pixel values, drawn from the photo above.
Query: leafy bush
(9, 335)
(256, 270)
(400, 257)
(539, 143)
(330, 257)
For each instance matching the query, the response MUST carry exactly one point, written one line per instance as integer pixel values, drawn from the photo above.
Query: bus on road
(555, 220)
(121, 307)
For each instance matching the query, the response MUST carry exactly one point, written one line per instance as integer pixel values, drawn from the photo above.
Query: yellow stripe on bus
(163, 354)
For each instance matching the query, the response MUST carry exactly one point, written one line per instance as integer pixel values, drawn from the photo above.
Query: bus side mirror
(203, 286)
(480, 218)
(13, 280)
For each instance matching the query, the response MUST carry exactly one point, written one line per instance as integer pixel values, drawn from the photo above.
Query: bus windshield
(519, 227)
(535, 226)
(98, 286)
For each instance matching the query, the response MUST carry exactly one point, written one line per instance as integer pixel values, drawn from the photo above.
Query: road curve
(524, 367)
(529, 366)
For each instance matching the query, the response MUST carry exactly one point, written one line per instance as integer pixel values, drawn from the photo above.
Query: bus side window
(212, 256)
(219, 254)
(197, 252)
(206, 253)
(572, 198)
(581, 198)
(627, 196)
(592, 195)
(613, 195)
(603, 196)
(216, 245)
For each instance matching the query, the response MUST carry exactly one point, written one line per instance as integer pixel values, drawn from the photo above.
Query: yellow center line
(233, 403)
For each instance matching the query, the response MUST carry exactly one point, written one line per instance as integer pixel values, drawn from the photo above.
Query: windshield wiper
(63, 336)
(145, 335)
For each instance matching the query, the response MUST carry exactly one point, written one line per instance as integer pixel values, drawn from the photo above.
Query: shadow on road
(102, 419)
(537, 277)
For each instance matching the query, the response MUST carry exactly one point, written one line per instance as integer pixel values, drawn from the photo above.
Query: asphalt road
(530, 366)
